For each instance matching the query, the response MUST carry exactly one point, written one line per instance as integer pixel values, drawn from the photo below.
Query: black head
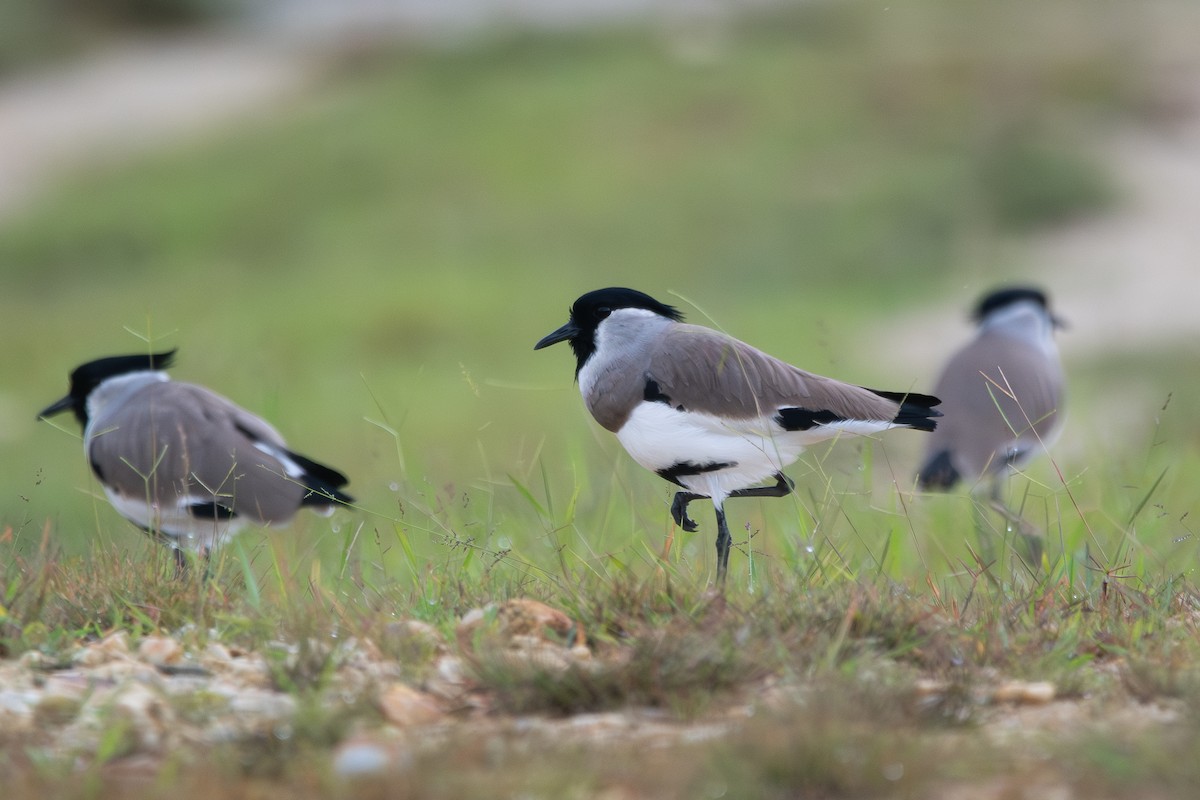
(87, 377)
(1000, 298)
(593, 308)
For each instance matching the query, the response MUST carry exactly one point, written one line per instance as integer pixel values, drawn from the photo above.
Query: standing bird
(183, 463)
(707, 412)
(1002, 393)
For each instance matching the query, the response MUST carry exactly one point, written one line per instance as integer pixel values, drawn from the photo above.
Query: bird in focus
(183, 463)
(707, 412)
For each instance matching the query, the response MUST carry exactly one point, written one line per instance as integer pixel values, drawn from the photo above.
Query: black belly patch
(939, 472)
(653, 393)
(685, 468)
(213, 510)
(803, 419)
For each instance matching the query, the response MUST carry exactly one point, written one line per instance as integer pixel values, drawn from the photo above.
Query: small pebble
(1033, 693)
(160, 651)
(360, 759)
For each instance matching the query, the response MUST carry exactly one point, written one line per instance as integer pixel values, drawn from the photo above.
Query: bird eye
(603, 312)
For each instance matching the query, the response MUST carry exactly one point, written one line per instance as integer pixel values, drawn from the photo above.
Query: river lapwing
(184, 463)
(707, 412)
(1002, 394)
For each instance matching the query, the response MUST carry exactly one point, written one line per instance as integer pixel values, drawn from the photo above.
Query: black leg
(723, 542)
(181, 563)
(782, 488)
(1021, 529)
(679, 510)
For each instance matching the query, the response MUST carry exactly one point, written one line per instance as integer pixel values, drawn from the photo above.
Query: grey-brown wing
(706, 371)
(996, 392)
(176, 440)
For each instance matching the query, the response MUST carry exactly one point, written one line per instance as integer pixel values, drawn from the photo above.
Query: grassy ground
(370, 269)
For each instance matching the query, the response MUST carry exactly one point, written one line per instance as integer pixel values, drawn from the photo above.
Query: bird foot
(679, 513)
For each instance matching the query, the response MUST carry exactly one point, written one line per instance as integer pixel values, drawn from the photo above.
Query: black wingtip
(916, 410)
(939, 473)
(323, 483)
(324, 497)
(321, 477)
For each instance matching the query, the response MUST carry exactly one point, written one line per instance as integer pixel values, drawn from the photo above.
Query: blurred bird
(707, 412)
(183, 463)
(1002, 394)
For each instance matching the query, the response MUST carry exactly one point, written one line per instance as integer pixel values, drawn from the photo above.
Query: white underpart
(175, 522)
(658, 437)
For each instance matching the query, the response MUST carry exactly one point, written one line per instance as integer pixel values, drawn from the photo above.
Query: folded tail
(324, 483)
(916, 410)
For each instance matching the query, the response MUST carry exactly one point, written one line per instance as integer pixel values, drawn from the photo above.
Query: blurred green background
(378, 250)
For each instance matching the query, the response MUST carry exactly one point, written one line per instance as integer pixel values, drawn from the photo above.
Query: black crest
(593, 308)
(1000, 298)
(87, 377)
